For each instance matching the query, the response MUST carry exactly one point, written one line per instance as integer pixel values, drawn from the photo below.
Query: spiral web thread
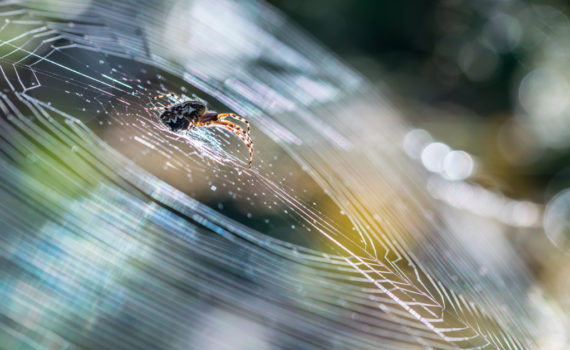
(117, 232)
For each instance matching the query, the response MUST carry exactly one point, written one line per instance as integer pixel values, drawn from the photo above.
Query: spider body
(180, 115)
(187, 114)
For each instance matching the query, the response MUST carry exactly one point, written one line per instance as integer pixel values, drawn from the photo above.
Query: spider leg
(224, 123)
(236, 130)
(180, 99)
(191, 125)
(158, 108)
(235, 116)
(247, 141)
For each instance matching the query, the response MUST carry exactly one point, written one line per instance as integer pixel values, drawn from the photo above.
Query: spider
(188, 114)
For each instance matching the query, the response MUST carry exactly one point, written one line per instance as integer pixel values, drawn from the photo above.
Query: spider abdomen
(174, 121)
(178, 116)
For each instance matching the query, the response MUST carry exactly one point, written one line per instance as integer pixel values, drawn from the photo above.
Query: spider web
(119, 233)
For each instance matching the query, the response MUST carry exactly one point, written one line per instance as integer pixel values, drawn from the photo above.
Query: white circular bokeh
(433, 156)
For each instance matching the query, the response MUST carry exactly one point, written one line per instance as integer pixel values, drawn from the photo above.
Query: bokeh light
(557, 220)
(457, 165)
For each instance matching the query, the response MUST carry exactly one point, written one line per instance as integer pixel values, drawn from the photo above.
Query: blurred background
(410, 187)
(488, 77)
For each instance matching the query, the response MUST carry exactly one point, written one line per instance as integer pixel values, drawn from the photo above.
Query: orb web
(120, 233)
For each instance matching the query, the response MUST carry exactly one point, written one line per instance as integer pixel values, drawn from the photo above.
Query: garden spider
(187, 114)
